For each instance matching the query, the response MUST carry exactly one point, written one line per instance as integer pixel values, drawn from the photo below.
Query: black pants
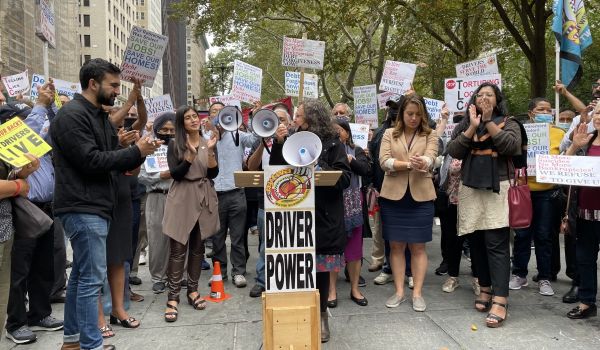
(588, 242)
(31, 273)
(490, 253)
(323, 287)
(60, 259)
(452, 243)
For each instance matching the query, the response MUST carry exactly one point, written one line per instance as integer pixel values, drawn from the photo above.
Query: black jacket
(329, 201)
(87, 158)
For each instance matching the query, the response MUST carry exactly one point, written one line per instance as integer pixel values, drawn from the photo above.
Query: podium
(291, 320)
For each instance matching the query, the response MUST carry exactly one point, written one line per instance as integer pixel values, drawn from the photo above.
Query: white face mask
(564, 126)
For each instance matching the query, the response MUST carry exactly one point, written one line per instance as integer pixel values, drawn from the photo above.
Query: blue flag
(572, 31)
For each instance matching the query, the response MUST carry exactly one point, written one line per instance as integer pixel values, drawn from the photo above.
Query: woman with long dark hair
(191, 211)
(486, 142)
(330, 234)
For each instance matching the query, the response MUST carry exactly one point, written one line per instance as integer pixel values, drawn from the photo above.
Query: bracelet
(18, 190)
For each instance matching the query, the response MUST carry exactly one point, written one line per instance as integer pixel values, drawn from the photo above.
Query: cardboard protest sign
(434, 108)
(157, 161)
(45, 26)
(227, 100)
(292, 84)
(360, 134)
(303, 53)
(383, 97)
(538, 136)
(16, 84)
(158, 105)
(142, 56)
(397, 76)
(365, 104)
(568, 170)
(290, 259)
(247, 82)
(483, 66)
(458, 91)
(16, 139)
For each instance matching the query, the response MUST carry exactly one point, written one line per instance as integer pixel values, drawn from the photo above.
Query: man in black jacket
(86, 159)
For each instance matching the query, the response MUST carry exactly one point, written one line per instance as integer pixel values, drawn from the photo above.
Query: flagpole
(557, 77)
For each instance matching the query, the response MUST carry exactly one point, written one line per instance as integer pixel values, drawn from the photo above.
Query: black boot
(324, 327)
(571, 296)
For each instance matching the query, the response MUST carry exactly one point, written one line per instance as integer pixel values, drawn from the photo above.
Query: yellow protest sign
(16, 139)
(57, 100)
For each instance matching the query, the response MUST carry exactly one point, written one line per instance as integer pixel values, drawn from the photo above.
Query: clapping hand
(418, 163)
(191, 151)
(473, 117)
(580, 136)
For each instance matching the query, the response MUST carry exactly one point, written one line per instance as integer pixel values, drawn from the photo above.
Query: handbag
(564, 222)
(29, 221)
(520, 212)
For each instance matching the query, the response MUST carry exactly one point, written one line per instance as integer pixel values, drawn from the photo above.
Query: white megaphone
(264, 123)
(302, 148)
(230, 118)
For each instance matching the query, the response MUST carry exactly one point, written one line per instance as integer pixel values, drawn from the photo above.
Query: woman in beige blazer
(406, 199)
(192, 208)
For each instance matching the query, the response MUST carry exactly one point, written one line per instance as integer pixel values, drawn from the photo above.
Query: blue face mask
(543, 118)
(564, 126)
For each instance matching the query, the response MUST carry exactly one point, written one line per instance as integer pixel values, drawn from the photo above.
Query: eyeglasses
(485, 95)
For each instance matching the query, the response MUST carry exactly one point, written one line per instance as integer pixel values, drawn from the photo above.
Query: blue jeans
(87, 233)
(541, 232)
(260, 263)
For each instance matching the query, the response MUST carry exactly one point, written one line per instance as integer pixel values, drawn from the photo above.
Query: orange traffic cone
(217, 289)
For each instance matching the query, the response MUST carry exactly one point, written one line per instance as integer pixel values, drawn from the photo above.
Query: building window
(86, 3)
(189, 79)
(142, 2)
(86, 41)
(86, 20)
(142, 15)
(110, 45)
(86, 58)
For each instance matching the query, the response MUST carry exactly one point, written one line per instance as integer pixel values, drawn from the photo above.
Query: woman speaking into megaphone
(314, 117)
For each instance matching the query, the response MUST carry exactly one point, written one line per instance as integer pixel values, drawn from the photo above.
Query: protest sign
(538, 136)
(568, 170)
(67, 88)
(434, 108)
(45, 27)
(458, 91)
(247, 82)
(157, 161)
(16, 139)
(448, 131)
(290, 259)
(397, 76)
(365, 104)
(360, 134)
(16, 84)
(158, 105)
(37, 80)
(483, 66)
(383, 97)
(142, 56)
(292, 84)
(227, 100)
(303, 53)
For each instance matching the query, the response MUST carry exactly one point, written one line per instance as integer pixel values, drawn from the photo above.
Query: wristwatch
(408, 166)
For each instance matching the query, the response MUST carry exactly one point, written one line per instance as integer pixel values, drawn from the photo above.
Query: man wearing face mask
(542, 200)
(585, 111)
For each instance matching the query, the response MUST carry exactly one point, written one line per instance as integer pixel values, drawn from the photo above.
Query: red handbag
(520, 212)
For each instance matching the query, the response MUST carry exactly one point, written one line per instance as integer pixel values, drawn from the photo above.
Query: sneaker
(411, 282)
(517, 282)
(536, 278)
(419, 304)
(442, 269)
(159, 287)
(256, 291)
(239, 281)
(450, 285)
(394, 301)
(135, 280)
(383, 278)
(47, 323)
(545, 288)
(22, 335)
(475, 286)
(205, 265)
(142, 260)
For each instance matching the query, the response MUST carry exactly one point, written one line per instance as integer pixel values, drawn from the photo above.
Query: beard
(595, 94)
(105, 99)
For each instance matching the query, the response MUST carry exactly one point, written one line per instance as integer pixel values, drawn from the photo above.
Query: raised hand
(580, 136)
(473, 117)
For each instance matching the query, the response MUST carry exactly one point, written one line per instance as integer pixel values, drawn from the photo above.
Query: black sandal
(486, 304)
(171, 313)
(197, 303)
(126, 323)
(495, 317)
(107, 329)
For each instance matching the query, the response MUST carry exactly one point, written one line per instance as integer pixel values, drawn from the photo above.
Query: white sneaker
(517, 282)
(450, 285)
(411, 283)
(383, 278)
(545, 288)
(239, 281)
(142, 259)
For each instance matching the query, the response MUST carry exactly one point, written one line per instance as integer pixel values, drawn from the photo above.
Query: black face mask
(164, 137)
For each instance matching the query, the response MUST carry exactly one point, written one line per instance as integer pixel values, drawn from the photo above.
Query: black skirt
(119, 245)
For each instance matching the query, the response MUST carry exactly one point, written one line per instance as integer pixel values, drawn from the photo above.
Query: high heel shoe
(486, 304)
(126, 323)
(495, 317)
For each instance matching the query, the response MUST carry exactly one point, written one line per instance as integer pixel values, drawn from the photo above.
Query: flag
(572, 31)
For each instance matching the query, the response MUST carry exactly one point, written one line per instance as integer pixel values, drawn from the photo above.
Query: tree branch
(275, 80)
(325, 90)
(513, 30)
